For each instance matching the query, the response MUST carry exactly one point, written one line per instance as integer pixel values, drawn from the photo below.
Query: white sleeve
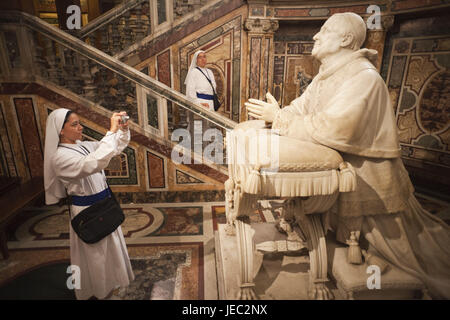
(122, 138)
(71, 165)
(191, 91)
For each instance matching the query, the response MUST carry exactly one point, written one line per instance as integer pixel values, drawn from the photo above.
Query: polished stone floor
(171, 247)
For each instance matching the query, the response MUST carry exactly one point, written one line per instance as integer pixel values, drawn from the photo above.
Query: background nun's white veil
(192, 66)
(54, 189)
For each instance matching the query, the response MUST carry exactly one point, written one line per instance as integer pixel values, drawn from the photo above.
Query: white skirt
(103, 266)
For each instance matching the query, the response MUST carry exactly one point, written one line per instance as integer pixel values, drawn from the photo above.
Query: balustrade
(65, 61)
(120, 27)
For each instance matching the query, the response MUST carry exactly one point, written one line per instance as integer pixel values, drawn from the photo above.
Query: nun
(74, 167)
(200, 81)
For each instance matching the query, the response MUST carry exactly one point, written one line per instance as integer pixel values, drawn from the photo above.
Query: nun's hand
(123, 125)
(115, 122)
(263, 110)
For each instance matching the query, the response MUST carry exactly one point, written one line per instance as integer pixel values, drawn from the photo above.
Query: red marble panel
(228, 78)
(211, 44)
(355, 9)
(288, 12)
(30, 135)
(163, 61)
(410, 4)
(5, 142)
(255, 63)
(155, 171)
(265, 71)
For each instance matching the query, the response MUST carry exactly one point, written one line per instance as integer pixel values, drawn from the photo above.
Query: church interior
(134, 55)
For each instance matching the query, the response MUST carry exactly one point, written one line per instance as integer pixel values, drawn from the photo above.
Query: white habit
(104, 265)
(196, 82)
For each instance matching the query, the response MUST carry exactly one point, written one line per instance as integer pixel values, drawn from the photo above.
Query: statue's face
(328, 40)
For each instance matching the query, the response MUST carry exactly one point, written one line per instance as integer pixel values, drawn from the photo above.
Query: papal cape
(347, 107)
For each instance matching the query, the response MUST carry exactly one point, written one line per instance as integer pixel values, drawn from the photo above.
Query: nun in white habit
(77, 167)
(198, 88)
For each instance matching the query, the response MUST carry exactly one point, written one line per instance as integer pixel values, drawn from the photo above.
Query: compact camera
(124, 119)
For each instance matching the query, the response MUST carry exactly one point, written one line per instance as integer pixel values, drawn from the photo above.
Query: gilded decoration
(419, 82)
(420, 69)
(294, 68)
(434, 114)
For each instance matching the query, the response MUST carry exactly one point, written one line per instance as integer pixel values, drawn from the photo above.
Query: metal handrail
(115, 65)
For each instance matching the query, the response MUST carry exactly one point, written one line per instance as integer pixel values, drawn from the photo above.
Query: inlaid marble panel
(121, 169)
(156, 176)
(223, 50)
(184, 178)
(419, 84)
(163, 61)
(294, 69)
(413, 4)
(255, 66)
(7, 156)
(30, 135)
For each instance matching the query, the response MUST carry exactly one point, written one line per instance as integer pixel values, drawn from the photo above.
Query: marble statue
(344, 113)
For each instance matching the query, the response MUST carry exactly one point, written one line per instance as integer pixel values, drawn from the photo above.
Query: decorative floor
(171, 247)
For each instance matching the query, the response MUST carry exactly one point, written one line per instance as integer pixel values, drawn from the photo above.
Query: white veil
(54, 189)
(192, 66)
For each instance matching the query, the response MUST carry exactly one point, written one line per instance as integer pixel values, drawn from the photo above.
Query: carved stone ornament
(261, 25)
(387, 22)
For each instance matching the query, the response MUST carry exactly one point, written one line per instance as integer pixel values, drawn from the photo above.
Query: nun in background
(198, 88)
(76, 167)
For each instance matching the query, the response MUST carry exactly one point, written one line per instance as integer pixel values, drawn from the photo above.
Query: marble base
(279, 276)
(351, 279)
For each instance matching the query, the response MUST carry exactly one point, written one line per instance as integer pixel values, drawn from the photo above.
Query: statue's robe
(347, 107)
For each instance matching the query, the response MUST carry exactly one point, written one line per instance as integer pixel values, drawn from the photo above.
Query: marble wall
(416, 68)
(222, 40)
(414, 64)
(143, 167)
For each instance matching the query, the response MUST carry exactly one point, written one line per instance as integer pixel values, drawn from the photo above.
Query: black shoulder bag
(98, 220)
(215, 97)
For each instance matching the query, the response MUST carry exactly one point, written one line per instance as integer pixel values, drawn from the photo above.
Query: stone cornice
(261, 25)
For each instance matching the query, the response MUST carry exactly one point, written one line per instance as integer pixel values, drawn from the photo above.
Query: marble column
(376, 37)
(260, 56)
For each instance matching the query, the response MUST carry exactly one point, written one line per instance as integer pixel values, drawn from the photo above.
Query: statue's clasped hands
(262, 110)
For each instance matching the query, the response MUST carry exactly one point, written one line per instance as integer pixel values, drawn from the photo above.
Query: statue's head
(341, 31)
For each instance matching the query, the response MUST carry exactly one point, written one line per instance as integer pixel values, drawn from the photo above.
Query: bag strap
(76, 149)
(207, 79)
(106, 181)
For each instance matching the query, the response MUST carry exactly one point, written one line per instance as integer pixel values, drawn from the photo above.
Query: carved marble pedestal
(277, 276)
(307, 175)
